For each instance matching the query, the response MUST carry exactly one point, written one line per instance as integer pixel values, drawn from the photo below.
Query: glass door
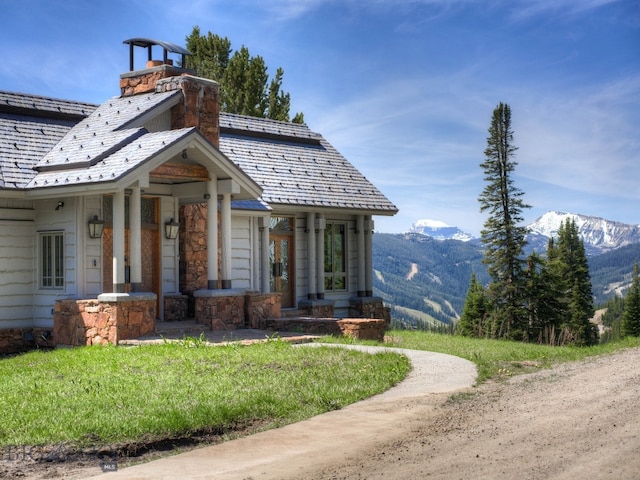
(281, 268)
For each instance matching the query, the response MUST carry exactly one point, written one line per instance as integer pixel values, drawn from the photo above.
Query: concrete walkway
(290, 451)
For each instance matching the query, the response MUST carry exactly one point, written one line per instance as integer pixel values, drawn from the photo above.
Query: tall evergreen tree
(574, 271)
(245, 87)
(502, 236)
(631, 314)
(475, 309)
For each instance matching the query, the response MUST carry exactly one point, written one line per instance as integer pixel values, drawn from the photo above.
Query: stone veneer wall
(223, 311)
(317, 308)
(97, 322)
(193, 251)
(261, 306)
(14, 340)
(369, 307)
(359, 328)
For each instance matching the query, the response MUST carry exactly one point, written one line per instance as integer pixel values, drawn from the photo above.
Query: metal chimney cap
(149, 43)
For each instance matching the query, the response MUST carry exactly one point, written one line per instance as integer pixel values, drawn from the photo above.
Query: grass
(501, 358)
(497, 359)
(112, 395)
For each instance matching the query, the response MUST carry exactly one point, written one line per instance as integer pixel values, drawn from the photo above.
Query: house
(155, 206)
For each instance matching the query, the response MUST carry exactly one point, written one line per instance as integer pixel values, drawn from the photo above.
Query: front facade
(155, 205)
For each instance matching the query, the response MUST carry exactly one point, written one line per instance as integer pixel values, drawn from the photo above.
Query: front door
(281, 255)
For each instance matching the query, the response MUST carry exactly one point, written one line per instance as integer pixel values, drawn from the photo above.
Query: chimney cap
(149, 43)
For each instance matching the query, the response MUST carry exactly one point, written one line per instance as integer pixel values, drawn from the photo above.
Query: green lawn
(106, 395)
(500, 358)
(110, 395)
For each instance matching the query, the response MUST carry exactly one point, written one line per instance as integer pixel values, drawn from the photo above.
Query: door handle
(277, 269)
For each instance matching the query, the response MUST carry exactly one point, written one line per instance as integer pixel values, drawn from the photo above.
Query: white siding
(16, 268)
(169, 262)
(241, 252)
(92, 248)
(49, 219)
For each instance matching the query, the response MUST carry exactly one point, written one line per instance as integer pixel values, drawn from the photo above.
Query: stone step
(185, 328)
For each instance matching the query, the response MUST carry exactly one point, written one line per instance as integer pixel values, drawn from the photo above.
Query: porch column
(118, 242)
(368, 249)
(226, 240)
(135, 239)
(263, 225)
(320, 227)
(212, 234)
(361, 255)
(312, 263)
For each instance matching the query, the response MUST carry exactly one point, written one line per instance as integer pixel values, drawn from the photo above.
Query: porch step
(187, 328)
(293, 313)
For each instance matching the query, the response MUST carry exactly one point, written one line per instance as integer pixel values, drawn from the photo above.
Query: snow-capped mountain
(598, 234)
(439, 230)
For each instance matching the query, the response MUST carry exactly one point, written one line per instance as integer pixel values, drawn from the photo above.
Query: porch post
(361, 255)
(312, 293)
(368, 242)
(135, 239)
(118, 242)
(226, 240)
(263, 225)
(321, 225)
(212, 234)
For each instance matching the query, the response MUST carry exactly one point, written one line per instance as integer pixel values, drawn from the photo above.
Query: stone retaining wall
(261, 306)
(99, 322)
(15, 340)
(359, 328)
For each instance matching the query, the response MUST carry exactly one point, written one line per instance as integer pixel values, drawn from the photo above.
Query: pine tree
(502, 236)
(244, 82)
(573, 269)
(631, 315)
(544, 303)
(474, 312)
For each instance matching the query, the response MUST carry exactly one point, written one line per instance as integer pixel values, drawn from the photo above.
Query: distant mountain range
(598, 234)
(424, 274)
(439, 230)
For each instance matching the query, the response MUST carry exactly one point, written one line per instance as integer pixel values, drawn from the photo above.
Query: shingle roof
(30, 126)
(115, 165)
(296, 166)
(103, 132)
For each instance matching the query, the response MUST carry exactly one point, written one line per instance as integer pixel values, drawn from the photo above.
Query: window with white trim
(335, 253)
(52, 260)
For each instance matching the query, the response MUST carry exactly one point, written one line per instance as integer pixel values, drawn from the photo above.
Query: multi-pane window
(52, 260)
(335, 261)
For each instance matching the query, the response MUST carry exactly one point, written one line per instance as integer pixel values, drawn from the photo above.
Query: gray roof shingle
(30, 126)
(296, 166)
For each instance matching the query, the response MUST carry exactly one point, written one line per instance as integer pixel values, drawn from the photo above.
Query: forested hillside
(425, 280)
(422, 279)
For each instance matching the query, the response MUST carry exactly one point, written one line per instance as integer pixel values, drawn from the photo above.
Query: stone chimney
(200, 97)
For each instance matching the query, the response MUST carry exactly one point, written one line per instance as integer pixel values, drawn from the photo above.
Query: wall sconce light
(207, 196)
(171, 229)
(96, 227)
(60, 205)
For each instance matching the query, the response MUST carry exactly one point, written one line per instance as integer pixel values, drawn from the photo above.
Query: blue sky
(404, 89)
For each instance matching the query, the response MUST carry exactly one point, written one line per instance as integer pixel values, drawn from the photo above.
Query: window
(52, 260)
(335, 262)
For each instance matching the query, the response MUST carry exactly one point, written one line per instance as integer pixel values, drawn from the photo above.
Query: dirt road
(578, 420)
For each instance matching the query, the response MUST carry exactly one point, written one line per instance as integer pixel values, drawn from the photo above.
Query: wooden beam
(181, 172)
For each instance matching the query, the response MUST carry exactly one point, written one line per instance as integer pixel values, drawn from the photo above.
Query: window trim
(53, 266)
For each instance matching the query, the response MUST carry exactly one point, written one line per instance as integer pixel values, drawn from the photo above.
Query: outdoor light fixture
(95, 227)
(171, 229)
